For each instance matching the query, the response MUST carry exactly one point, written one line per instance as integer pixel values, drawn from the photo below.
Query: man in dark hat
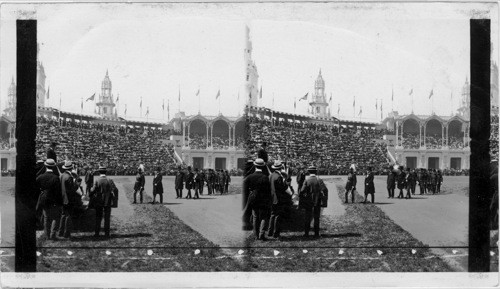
(391, 182)
(50, 201)
(280, 200)
(157, 186)
(179, 182)
(350, 186)
(104, 192)
(301, 177)
(311, 194)
(400, 181)
(197, 183)
(421, 179)
(258, 203)
(439, 181)
(189, 183)
(262, 154)
(140, 181)
(433, 180)
(203, 178)
(369, 186)
(68, 190)
(210, 179)
(412, 182)
(227, 181)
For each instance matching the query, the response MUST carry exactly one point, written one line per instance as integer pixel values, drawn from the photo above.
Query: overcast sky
(364, 50)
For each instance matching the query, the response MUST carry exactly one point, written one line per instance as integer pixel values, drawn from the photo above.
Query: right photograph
(358, 137)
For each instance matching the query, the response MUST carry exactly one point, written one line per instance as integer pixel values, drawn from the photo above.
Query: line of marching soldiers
(429, 181)
(217, 181)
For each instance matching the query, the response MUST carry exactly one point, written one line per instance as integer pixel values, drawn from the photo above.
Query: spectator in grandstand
(189, 183)
(104, 192)
(311, 194)
(157, 186)
(69, 193)
(400, 181)
(391, 183)
(179, 182)
(89, 179)
(51, 151)
(350, 186)
(50, 200)
(262, 154)
(281, 200)
(257, 188)
(369, 186)
(140, 181)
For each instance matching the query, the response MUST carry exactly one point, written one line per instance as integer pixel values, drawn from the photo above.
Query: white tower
(10, 110)
(106, 105)
(464, 109)
(318, 103)
(251, 77)
(40, 80)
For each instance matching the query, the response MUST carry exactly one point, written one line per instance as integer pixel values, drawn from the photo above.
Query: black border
(480, 122)
(25, 252)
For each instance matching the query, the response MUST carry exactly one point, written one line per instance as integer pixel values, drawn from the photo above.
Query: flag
(198, 92)
(360, 110)
(125, 110)
(118, 98)
(376, 104)
(431, 94)
(304, 97)
(411, 91)
(179, 93)
(141, 102)
(295, 104)
(147, 111)
(338, 109)
(218, 94)
(354, 102)
(82, 104)
(48, 92)
(250, 95)
(163, 105)
(90, 98)
(260, 92)
(330, 97)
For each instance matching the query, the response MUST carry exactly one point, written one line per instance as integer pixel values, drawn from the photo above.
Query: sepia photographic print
(290, 144)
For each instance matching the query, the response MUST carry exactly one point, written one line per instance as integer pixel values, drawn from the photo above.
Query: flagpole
(60, 100)
(412, 103)
(163, 110)
(179, 98)
(219, 100)
(141, 106)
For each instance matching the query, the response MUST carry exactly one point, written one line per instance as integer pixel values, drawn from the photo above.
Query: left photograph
(140, 136)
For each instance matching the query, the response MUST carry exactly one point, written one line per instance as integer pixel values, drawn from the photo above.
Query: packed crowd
(122, 149)
(411, 141)
(331, 150)
(4, 144)
(199, 142)
(494, 137)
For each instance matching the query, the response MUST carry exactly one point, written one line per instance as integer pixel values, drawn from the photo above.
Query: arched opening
(455, 134)
(239, 134)
(411, 134)
(220, 134)
(198, 134)
(433, 134)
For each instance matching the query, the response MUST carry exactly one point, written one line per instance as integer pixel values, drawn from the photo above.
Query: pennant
(147, 111)
(250, 95)
(411, 91)
(295, 104)
(141, 102)
(48, 92)
(360, 110)
(330, 97)
(179, 93)
(304, 97)
(392, 99)
(90, 98)
(163, 105)
(354, 102)
(260, 92)
(338, 109)
(125, 110)
(82, 104)
(198, 92)
(118, 98)
(431, 94)
(218, 94)
(376, 104)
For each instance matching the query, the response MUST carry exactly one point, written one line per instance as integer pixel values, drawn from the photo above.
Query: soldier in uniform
(439, 181)
(51, 200)
(157, 186)
(401, 181)
(104, 192)
(421, 178)
(433, 181)
(369, 186)
(197, 183)
(227, 182)
(411, 182)
(311, 193)
(222, 181)
(258, 189)
(210, 177)
(203, 179)
(391, 183)
(139, 185)
(350, 186)
(179, 182)
(189, 182)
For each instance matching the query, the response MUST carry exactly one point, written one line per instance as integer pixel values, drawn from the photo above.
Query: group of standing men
(267, 198)
(429, 181)
(217, 181)
(59, 199)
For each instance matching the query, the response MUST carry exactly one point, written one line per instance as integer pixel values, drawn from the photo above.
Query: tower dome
(320, 83)
(106, 83)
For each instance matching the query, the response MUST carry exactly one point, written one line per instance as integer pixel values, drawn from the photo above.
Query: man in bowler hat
(51, 201)
(311, 193)
(104, 192)
(179, 182)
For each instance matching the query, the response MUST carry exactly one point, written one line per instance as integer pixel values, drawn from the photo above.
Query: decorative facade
(106, 105)
(40, 80)
(251, 75)
(10, 110)
(464, 109)
(319, 104)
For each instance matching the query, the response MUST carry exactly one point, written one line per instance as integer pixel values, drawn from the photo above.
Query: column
(447, 135)
(229, 135)
(206, 125)
(425, 133)
(442, 135)
(211, 134)
(183, 133)
(464, 140)
(397, 133)
(189, 129)
(234, 135)
(420, 135)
